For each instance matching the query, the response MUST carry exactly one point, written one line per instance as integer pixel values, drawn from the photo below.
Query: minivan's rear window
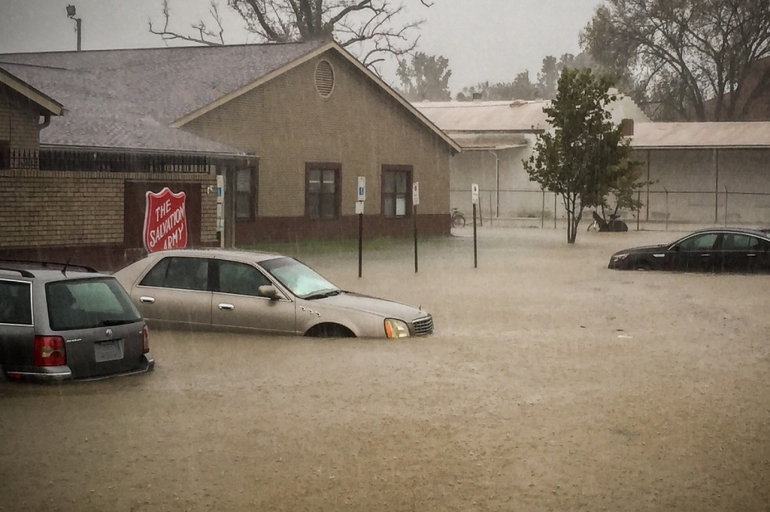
(88, 303)
(15, 303)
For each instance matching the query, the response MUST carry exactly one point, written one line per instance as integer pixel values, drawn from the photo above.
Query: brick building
(290, 127)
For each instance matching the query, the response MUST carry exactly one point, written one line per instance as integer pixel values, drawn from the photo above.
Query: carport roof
(701, 135)
(482, 116)
(481, 141)
(502, 124)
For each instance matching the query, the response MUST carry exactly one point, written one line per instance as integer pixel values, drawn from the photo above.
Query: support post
(360, 243)
(414, 216)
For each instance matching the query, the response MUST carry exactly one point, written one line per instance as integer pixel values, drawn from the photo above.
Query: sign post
(360, 212)
(475, 200)
(415, 202)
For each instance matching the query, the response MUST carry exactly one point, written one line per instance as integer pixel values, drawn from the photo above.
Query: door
(175, 293)
(698, 253)
(744, 253)
(237, 306)
(100, 326)
(16, 328)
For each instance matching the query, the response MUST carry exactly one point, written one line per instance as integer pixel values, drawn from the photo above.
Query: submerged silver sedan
(217, 289)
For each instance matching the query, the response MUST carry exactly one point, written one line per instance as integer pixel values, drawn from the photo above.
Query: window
(5, 154)
(732, 242)
(396, 188)
(15, 303)
(245, 194)
(88, 303)
(181, 273)
(301, 280)
(699, 242)
(322, 191)
(324, 78)
(240, 278)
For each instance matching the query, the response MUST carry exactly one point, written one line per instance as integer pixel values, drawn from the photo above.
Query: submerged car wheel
(642, 265)
(330, 331)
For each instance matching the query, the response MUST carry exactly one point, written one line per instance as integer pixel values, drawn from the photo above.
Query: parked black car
(58, 322)
(706, 250)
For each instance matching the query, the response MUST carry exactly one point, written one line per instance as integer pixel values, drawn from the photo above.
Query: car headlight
(396, 328)
(616, 257)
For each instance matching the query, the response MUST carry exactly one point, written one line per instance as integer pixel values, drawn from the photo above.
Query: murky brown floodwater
(551, 383)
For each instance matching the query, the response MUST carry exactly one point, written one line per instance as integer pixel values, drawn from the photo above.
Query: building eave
(45, 102)
(101, 149)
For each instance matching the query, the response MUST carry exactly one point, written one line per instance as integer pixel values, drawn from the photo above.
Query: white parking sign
(475, 193)
(415, 193)
(362, 188)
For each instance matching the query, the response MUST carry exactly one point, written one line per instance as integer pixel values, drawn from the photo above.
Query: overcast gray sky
(483, 39)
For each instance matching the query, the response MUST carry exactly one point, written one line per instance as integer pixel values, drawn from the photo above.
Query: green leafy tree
(548, 77)
(694, 60)
(520, 89)
(426, 78)
(584, 158)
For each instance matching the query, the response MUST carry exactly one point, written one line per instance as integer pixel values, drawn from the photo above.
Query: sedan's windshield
(302, 281)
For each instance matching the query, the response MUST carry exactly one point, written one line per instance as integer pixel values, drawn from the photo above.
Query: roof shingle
(129, 98)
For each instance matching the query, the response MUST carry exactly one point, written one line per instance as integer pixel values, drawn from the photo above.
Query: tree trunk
(572, 224)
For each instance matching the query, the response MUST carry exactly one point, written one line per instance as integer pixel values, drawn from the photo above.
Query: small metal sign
(415, 193)
(475, 193)
(359, 207)
(361, 190)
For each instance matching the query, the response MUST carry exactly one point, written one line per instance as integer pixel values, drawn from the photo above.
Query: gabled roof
(165, 86)
(701, 135)
(46, 103)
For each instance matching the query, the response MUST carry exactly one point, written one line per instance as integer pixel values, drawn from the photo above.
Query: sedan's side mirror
(268, 291)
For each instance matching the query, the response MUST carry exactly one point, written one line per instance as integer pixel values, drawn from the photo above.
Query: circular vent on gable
(324, 78)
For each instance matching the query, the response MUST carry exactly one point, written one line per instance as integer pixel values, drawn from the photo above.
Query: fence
(102, 161)
(662, 209)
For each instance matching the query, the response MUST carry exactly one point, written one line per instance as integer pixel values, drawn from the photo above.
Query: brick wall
(44, 208)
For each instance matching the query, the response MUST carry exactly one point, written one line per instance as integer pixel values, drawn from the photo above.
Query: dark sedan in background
(705, 250)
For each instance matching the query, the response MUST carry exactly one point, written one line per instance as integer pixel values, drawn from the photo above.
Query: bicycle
(458, 219)
(613, 224)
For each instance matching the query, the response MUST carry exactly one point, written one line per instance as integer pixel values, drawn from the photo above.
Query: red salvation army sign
(165, 221)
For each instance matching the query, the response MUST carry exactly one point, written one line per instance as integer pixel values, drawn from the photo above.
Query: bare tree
(693, 59)
(370, 29)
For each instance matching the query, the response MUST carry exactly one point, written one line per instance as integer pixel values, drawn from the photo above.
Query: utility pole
(78, 22)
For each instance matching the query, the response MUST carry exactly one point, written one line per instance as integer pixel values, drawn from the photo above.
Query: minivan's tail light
(145, 340)
(49, 351)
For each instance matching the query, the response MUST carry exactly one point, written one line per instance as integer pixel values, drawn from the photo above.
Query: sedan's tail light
(145, 340)
(49, 351)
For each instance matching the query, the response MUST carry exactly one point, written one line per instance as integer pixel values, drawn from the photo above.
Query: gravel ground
(551, 383)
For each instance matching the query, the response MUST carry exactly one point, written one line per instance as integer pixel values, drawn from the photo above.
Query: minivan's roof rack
(46, 265)
(22, 272)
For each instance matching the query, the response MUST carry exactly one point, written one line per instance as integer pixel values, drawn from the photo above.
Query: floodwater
(551, 383)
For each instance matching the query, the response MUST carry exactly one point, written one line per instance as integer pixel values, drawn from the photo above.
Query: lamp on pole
(71, 14)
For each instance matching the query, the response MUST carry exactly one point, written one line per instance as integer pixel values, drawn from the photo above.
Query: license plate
(108, 350)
